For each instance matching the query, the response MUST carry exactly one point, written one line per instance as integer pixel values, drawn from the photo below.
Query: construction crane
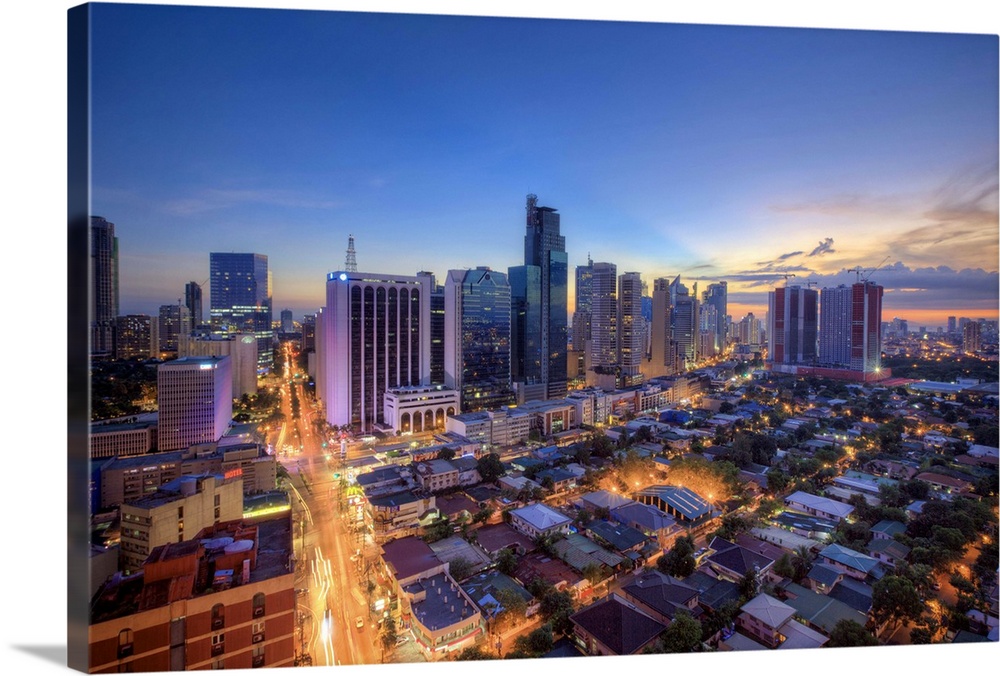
(864, 273)
(786, 275)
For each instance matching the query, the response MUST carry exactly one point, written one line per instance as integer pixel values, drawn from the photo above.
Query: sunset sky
(713, 153)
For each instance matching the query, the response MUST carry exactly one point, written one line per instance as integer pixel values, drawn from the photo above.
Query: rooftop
(541, 517)
(443, 603)
(409, 556)
(624, 630)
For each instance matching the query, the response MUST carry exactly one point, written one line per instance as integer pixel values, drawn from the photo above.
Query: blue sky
(712, 152)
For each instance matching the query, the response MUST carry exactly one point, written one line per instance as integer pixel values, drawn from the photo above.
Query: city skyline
(813, 151)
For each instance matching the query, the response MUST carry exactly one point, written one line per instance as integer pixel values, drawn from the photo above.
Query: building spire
(351, 264)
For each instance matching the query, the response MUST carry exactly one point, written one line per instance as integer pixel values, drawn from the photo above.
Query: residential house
(731, 561)
(770, 622)
(854, 564)
(614, 627)
(661, 596)
(818, 506)
(538, 520)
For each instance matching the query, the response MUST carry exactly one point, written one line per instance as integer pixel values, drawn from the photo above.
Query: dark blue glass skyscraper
(539, 291)
(241, 299)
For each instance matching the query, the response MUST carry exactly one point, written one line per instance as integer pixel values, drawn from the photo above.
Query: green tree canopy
(848, 634)
(679, 561)
(490, 468)
(895, 600)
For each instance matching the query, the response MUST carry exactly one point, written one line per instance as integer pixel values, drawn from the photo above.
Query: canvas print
(411, 338)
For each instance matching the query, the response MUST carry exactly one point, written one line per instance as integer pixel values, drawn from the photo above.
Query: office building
(287, 325)
(195, 401)
(309, 333)
(477, 338)
(240, 295)
(539, 291)
(104, 289)
(793, 323)
(240, 348)
(373, 335)
(134, 337)
(174, 321)
(631, 329)
(192, 299)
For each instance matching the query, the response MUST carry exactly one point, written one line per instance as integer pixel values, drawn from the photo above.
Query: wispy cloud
(212, 199)
(825, 247)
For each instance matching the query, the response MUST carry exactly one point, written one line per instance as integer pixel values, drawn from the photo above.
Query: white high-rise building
(194, 396)
(375, 336)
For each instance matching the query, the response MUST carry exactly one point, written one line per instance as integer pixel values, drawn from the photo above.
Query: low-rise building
(223, 599)
(818, 506)
(538, 520)
(398, 514)
(420, 408)
(174, 512)
(614, 627)
(854, 564)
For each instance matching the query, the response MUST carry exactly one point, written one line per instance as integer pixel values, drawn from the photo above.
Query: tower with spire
(351, 263)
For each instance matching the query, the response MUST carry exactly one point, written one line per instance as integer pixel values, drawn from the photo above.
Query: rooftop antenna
(351, 264)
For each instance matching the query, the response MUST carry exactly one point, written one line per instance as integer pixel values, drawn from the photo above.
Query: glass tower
(477, 338)
(241, 300)
(539, 289)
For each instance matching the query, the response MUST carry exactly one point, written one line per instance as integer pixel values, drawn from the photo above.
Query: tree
(749, 585)
(460, 568)
(683, 635)
(895, 600)
(535, 644)
(679, 561)
(507, 561)
(483, 515)
(388, 636)
(490, 468)
(474, 653)
(513, 604)
(555, 608)
(848, 634)
(446, 454)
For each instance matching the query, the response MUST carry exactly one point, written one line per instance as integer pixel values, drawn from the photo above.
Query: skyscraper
(582, 313)
(241, 299)
(192, 299)
(971, 338)
(540, 353)
(604, 317)
(835, 309)
(662, 349)
(684, 323)
(372, 335)
(716, 296)
(287, 326)
(104, 291)
(866, 323)
(792, 325)
(477, 338)
(436, 328)
(173, 322)
(631, 328)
